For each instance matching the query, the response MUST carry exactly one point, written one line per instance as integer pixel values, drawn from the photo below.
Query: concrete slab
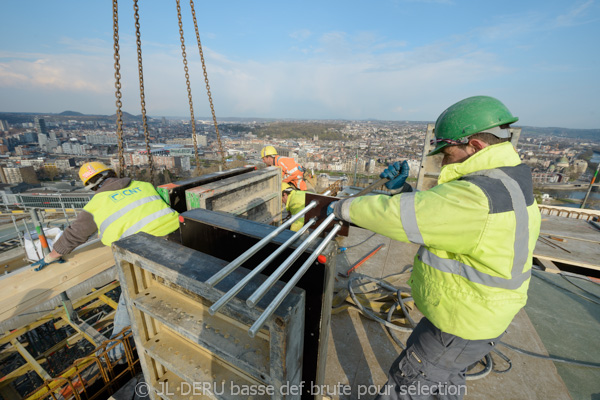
(361, 351)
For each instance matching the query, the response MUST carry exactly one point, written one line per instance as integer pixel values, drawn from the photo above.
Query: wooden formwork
(254, 195)
(174, 193)
(226, 237)
(185, 351)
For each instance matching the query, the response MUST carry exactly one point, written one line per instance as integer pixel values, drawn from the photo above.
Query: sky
(403, 60)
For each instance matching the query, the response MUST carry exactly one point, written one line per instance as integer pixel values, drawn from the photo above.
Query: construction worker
(293, 201)
(477, 230)
(119, 208)
(292, 172)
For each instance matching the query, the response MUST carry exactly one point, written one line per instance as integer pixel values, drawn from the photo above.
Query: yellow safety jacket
(477, 230)
(295, 204)
(136, 208)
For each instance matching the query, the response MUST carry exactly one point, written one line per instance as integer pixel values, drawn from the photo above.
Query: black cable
(505, 358)
(488, 367)
(564, 288)
(579, 287)
(357, 244)
(545, 357)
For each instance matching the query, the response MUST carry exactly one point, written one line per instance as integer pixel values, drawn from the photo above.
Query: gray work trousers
(434, 364)
(120, 322)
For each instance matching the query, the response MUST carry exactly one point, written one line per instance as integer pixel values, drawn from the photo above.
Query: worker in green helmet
(477, 230)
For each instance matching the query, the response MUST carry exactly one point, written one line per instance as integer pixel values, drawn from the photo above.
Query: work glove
(47, 260)
(397, 174)
(330, 208)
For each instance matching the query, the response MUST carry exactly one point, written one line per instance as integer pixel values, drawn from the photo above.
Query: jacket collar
(114, 184)
(494, 156)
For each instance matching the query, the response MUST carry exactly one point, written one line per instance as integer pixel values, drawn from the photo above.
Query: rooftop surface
(556, 321)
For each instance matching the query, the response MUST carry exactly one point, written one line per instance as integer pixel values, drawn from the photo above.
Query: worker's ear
(477, 144)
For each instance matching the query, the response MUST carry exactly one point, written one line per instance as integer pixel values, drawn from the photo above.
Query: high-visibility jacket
(295, 204)
(136, 208)
(477, 230)
(291, 171)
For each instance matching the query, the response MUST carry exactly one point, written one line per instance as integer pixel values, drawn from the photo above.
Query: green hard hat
(469, 116)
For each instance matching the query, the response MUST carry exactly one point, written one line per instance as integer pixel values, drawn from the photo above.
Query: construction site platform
(555, 321)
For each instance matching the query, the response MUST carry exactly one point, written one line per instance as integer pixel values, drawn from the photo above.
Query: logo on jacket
(120, 195)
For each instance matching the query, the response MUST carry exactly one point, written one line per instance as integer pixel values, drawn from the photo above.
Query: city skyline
(393, 60)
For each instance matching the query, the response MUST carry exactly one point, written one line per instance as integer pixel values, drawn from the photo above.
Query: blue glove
(397, 174)
(330, 208)
(40, 264)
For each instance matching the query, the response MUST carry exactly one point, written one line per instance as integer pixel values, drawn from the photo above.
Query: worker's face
(284, 197)
(457, 154)
(268, 160)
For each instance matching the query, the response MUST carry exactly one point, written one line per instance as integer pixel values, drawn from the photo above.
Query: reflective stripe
(119, 213)
(466, 271)
(291, 171)
(521, 244)
(145, 221)
(408, 216)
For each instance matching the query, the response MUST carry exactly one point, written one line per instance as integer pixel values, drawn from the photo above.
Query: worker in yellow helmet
(292, 172)
(477, 230)
(293, 200)
(119, 208)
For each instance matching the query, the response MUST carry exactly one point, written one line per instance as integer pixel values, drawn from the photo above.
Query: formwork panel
(254, 195)
(205, 376)
(168, 299)
(174, 193)
(222, 335)
(226, 237)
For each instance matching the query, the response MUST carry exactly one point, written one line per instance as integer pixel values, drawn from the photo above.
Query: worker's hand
(397, 174)
(330, 208)
(39, 265)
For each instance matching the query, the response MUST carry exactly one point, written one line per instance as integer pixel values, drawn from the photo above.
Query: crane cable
(142, 95)
(212, 108)
(119, 104)
(189, 89)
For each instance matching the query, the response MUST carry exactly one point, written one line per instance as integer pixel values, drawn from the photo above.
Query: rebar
(240, 285)
(218, 277)
(292, 282)
(275, 276)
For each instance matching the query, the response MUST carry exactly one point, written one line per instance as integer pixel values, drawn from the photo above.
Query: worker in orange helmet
(292, 172)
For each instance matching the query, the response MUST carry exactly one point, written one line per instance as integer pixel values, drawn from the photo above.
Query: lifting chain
(121, 170)
(142, 95)
(189, 89)
(212, 108)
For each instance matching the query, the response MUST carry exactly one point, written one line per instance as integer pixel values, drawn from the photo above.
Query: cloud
(301, 35)
(575, 16)
(351, 76)
(54, 72)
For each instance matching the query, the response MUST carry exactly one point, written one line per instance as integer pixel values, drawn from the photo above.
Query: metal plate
(320, 211)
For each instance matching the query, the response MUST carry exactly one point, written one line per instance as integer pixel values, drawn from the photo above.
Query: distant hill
(71, 114)
(586, 134)
(306, 130)
(16, 118)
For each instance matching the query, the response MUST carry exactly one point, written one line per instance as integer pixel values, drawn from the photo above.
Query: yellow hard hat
(91, 169)
(285, 186)
(268, 151)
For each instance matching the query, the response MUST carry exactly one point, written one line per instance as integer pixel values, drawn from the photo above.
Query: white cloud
(301, 35)
(575, 16)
